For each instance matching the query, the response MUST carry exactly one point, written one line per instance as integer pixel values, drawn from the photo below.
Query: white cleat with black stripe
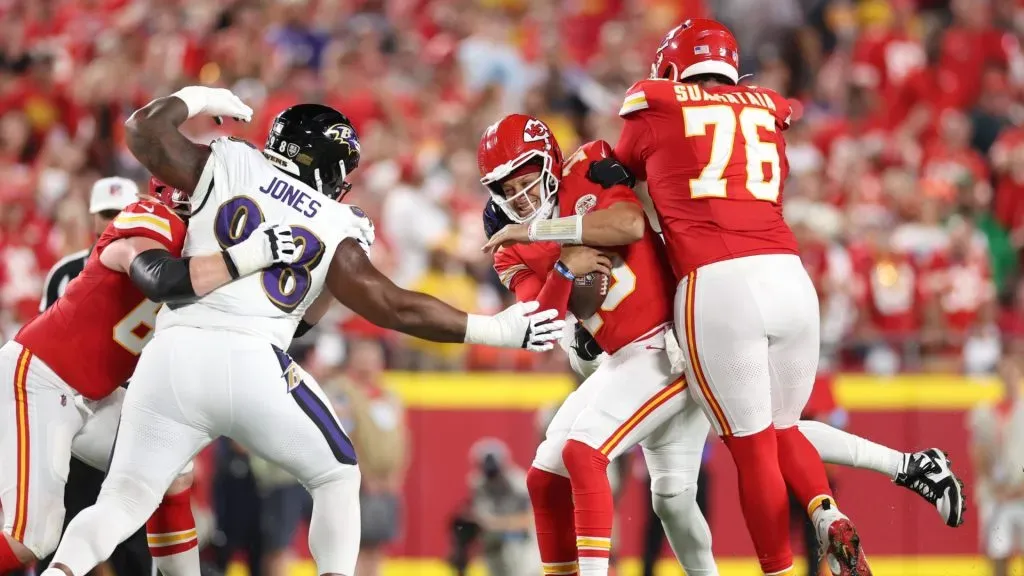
(929, 474)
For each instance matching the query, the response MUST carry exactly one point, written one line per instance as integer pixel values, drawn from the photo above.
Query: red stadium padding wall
(449, 412)
(892, 521)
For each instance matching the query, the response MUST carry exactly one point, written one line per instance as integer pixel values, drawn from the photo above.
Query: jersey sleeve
(784, 110)
(512, 270)
(151, 220)
(636, 141)
(230, 160)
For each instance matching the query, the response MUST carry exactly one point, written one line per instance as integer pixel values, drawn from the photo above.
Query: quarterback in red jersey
(521, 164)
(714, 158)
(64, 363)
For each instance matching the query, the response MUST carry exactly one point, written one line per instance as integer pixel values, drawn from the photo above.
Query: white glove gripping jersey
(240, 189)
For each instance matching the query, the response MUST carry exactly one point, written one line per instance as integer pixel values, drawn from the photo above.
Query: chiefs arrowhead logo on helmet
(536, 131)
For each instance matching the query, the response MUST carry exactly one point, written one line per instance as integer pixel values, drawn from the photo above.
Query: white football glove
(516, 327)
(216, 102)
(269, 244)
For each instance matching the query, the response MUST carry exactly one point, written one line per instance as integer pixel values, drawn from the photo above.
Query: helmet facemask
(546, 180)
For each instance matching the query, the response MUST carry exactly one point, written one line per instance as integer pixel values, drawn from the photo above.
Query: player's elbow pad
(160, 276)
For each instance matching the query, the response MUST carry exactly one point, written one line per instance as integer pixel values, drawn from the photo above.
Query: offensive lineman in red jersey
(714, 159)
(521, 164)
(64, 363)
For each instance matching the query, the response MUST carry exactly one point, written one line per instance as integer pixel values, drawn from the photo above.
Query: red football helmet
(512, 146)
(697, 46)
(171, 197)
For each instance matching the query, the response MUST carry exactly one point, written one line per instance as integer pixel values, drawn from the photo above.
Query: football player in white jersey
(216, 365)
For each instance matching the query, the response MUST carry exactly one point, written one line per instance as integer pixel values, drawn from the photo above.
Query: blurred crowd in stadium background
(907, 168)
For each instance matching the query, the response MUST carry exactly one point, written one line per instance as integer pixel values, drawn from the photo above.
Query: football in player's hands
(588, 293)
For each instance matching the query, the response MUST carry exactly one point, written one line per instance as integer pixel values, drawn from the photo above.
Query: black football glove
(494, 219)
(609, 172)
(584, 345)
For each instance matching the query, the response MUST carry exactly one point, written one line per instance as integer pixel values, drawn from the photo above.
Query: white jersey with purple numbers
(239, 190)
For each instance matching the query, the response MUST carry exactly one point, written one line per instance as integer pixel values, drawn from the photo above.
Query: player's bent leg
(673, 454)
(547, 482)
(171, 530)
(308, 441)
(719, 326)
(927, 473)
(638, 393)
(792, 322)
(38, 419)
(162, 428)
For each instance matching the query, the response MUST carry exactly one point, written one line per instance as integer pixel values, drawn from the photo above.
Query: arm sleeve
(632, 147)
(552, 292)
(614, 195)
(161, 277)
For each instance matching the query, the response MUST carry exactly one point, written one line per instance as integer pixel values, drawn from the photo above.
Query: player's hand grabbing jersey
(239, 190)
(715, 161)
(640, 292)
(93, 335)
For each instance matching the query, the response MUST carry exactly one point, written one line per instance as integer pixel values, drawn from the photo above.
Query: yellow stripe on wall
(525, 391)
(880, 566)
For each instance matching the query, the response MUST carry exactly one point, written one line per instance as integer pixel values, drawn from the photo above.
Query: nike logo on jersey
(295, 198)
(146, 207)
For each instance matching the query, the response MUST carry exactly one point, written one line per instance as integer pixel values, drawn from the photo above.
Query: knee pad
(130, 493)
(669, 485)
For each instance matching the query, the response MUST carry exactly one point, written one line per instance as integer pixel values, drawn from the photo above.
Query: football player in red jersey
(522, 165)
(64, 365)
(714, 159)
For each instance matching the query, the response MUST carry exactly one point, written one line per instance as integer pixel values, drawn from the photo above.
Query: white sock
(838, 447)
(590, 566)
(184, 563)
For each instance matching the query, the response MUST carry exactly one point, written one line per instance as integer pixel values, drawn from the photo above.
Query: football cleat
(929, 474)
(840, 543)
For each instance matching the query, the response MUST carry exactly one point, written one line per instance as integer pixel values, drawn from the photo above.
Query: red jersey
(714, 160)
(640, 291)
(93, 335)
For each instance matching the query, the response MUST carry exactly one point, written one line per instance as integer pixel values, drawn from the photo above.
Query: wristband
(564, 271)
(230, 264)
(567, 230)
(194, 98)
(302, 328)
(481, 330)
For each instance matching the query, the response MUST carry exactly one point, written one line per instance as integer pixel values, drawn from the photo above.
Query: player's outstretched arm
(357, 284)
(153, 137)
(162, 277)
(620, 224)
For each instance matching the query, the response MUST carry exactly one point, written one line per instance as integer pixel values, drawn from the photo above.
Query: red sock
(172, 529)
(8, 560)
(592, 497)
(763, 497)
(551, 497)
(801, 467)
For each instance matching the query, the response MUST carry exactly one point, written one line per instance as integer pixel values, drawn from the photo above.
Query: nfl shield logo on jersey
(585, 204)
